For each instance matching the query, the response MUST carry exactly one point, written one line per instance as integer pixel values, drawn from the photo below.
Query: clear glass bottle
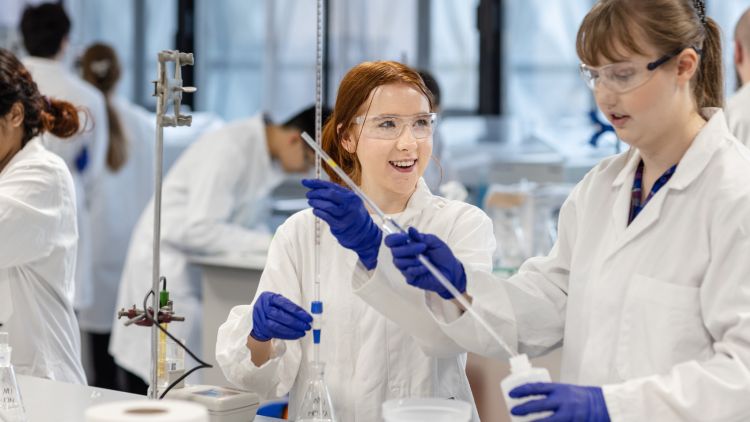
(11, 405)
(316, 405)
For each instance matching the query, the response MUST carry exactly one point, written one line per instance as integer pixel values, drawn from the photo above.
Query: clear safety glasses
(624, 76)
(389, 127)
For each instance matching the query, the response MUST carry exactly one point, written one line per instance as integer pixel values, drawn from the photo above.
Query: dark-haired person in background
(119, 195)
(214, 202)
(37, 230)
(45, 31)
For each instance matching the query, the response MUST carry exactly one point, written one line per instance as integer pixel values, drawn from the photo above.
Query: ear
(687, 65)
(16, 114)
(346, 140)
(294, 138)
(739, 56)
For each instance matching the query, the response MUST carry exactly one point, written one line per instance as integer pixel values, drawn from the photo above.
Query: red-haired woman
(380, 133)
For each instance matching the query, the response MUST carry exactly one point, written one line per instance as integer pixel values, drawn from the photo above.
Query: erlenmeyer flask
(316, 405)
(11, 406)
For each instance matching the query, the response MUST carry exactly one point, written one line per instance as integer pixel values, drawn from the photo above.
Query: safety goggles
(389, 127)
(622, 77)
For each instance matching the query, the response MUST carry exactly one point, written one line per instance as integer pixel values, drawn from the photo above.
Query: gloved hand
(348, 218)
(275, 316)
(568, 402)
(406, 248)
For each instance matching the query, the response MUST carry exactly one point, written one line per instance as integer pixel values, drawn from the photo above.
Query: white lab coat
(369, 359)
(658, 312)
(214, 202)
(37, 265)
(738, 114)
(117, 201)
(56, 81)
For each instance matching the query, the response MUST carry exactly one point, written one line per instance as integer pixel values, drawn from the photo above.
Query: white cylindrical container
(426, 409)
(521, 372)
(147, 411)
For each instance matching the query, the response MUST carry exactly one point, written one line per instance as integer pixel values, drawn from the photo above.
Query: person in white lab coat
(648, 285)
(45, 30)
(119, 195)
(738, 105)
(380, 133)
(38, 230)
(215, 201)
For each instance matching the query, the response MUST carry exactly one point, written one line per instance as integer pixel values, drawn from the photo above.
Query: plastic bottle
(521, 372)
(11, 406)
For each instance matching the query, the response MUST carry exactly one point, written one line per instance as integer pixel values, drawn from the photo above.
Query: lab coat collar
(41, 62)
(696, 157)
(418, 201)
(30, 148)
(690, 167)
(703, 148)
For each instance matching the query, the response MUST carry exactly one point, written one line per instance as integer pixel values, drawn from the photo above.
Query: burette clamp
(316, 308)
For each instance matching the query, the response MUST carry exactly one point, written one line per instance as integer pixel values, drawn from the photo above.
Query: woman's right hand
(275, 316)
(347, 217)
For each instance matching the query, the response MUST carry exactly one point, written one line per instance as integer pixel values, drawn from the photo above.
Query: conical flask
(316, 405)
(11, 406)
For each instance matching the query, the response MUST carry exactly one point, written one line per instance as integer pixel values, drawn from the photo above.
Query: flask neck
(4, 356)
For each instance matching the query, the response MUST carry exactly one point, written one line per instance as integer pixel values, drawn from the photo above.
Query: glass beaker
(316, 405)
(11, 405)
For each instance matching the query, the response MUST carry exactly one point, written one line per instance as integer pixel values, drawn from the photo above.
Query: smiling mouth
(403, 166)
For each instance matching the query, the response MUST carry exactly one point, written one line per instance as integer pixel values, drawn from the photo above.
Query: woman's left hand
(568, 403)
(406, 249)
(347, 217)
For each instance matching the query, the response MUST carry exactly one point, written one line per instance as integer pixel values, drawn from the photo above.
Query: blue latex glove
(570, 403)
(347, 217)
(275, 316)
(406, 248)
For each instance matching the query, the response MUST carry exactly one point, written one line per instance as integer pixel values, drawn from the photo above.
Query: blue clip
(316, 336)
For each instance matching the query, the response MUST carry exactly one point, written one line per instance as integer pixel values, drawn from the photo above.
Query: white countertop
(47, 400)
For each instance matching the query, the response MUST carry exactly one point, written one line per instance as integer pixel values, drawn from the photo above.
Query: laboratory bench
(46, 400)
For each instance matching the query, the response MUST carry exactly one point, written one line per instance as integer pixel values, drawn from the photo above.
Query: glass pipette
(390, 225)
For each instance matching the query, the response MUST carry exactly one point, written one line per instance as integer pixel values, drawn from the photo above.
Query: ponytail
(709, 84)
(117, 152)
(101, 68)
(60, 118)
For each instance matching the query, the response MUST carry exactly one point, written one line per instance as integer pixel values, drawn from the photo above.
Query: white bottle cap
(519, 363)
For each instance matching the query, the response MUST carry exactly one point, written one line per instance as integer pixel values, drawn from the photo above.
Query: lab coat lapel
(418, 201)
(621, 187)
(691, 165)
(647, 217)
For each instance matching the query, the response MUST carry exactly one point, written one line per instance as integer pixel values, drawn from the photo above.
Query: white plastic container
(223, 404)
(521, 372)
(426, 409)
